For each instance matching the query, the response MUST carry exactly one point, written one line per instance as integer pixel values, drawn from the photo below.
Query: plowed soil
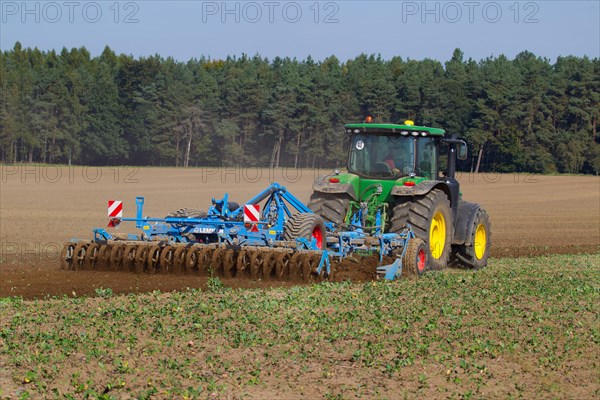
(43, 207)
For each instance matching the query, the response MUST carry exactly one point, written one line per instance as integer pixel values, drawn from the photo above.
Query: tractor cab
(391, 151)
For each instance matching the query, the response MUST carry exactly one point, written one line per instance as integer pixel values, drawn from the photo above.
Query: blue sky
(216, 29)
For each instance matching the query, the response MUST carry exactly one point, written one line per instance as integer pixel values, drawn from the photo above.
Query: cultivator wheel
(415, 257)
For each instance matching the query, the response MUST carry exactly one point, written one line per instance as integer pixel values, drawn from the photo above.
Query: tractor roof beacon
(394, 177)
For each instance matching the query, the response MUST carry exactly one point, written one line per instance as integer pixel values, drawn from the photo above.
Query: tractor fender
(463, 226)
(324, 186)
(421, 189)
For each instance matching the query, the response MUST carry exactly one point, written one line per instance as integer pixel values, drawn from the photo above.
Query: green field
(521, 328)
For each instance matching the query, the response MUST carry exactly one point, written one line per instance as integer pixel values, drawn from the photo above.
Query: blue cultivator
(273, 236)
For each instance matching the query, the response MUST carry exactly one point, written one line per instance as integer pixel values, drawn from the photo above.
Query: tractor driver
(392, 159)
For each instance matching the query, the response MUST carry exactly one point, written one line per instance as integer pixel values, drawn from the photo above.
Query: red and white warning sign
(115, 212)
(252, 215)
(251, 212)
(115, 208)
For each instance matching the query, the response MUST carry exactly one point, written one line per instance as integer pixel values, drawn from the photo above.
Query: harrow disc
(129, 257)
(269, 264)
(66, 256)
(153, 262)
(310, 262)
(116, 257)
(141, 259)
(243, 263)
(92, 255)
(282, 266)
(191, 260)
(204, 260)
(167, 259)
(179, 257)
(104, 256)
(216, 262)
(229, 263)
(295, 266)
(257, 264)
(79, 256)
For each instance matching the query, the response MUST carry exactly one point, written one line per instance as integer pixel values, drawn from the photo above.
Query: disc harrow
(284, 241)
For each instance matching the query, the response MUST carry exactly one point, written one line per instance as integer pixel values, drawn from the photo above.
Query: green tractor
(394, 176)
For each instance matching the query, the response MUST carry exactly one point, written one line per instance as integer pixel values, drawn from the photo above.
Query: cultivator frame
(287, 242)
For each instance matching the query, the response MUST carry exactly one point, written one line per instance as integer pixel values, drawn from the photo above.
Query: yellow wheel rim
(480, 241)
(437, 235)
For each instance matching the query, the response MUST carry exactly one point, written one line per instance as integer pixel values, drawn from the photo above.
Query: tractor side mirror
(461, 151)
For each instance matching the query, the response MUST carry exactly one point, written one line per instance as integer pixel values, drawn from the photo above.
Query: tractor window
(426, 158)
(382, 156)
(393, 156)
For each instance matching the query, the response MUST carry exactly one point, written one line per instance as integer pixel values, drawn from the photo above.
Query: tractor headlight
(404, 133)
(415, 133)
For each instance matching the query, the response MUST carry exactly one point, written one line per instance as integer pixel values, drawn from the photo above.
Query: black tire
(415, 258)
(419, 212)
(306, 226)
(187, 213)
(331, 207)
(476, 254)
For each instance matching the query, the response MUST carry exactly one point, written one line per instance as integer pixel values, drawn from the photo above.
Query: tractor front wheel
(475, 255)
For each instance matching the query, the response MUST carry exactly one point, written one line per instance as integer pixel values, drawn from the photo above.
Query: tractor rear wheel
(431, 220)
(331, 207)
(308, 226)
(476, 254)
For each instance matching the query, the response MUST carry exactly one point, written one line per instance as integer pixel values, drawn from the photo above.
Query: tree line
(526, 114)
